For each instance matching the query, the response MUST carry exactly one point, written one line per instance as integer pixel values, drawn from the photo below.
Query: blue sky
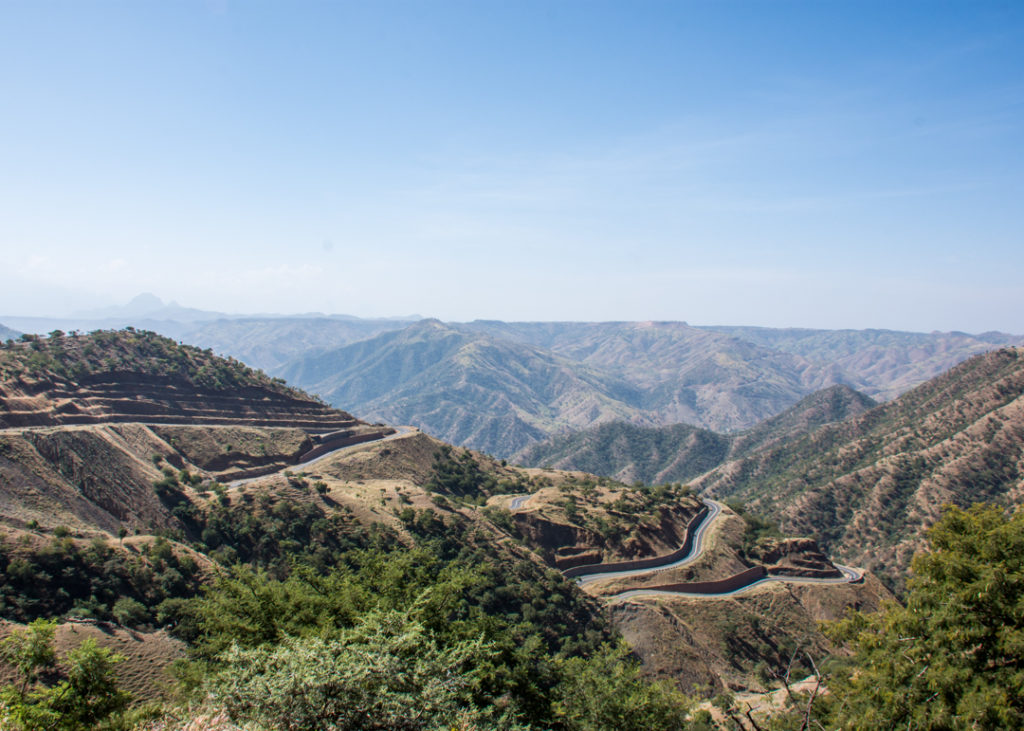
(816, 164)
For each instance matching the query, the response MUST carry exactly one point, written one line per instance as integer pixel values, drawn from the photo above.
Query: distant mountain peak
(145, 302)
(147, 306)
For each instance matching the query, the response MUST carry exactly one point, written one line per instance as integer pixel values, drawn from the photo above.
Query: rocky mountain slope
(866, 487)
(465, 387)
(491, 387)
(884, 363)
(632, 453)
(500, 386)
(681, 452)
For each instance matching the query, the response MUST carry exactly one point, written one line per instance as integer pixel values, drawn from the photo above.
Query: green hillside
(868, 486)
(680, 452)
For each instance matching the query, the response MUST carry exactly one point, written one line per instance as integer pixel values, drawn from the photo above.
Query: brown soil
(147, 654)
(708, 645)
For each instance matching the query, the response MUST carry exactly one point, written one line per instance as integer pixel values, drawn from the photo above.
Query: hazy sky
(819, 164)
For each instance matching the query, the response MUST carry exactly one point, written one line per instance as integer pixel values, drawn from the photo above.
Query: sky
(787, 164)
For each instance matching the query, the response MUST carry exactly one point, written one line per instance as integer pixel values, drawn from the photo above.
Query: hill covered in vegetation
(128, 375)
(681, 452)
(867, 487)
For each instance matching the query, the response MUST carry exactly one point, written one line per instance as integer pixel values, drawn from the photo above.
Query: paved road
(849, 575)
(400, 431)
(518, 501)
(696, 549)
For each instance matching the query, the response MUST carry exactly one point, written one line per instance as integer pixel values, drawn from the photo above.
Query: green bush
(86, 697)
(387, 672)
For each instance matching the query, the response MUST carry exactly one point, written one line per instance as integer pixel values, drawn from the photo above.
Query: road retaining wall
(342, 440)
(643, 563)
(721, 586)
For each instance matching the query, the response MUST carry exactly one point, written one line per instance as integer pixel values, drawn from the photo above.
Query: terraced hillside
(132, 376)
(86, 419)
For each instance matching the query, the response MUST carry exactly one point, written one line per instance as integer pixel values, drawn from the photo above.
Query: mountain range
(501, 387)
(864, 480)
(680, 452)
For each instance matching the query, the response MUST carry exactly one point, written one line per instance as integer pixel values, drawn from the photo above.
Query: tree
(90, 693)
(953, 657)
(606, 691)
(129, 612)
(387, 672)
(30, 651)
(85, 697)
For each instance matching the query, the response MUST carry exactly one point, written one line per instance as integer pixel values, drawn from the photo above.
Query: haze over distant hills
(501, 387)
(264, 341)
(7, 333)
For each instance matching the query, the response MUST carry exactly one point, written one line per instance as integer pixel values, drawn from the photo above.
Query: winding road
(586, 575)
(518, 501)
(850, 575)
(400, 431)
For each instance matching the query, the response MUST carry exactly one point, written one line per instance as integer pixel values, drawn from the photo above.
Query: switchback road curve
(697, 534)
(400, 431)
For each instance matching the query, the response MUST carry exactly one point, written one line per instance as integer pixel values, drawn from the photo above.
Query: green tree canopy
(953, 657)
(387, 672)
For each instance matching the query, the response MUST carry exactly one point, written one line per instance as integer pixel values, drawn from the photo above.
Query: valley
(148, 469)
(504, 387)
(149, 487)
